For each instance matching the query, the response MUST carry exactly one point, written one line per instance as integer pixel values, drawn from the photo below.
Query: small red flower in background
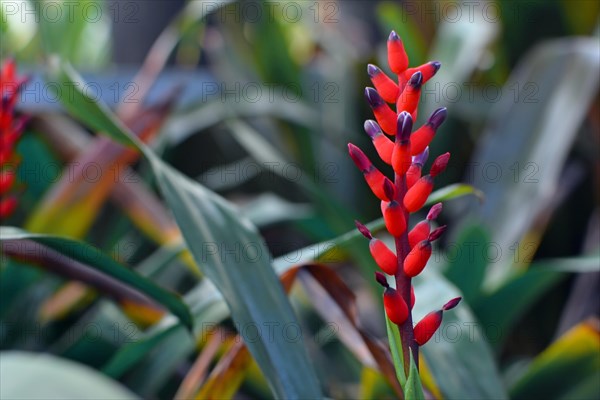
(408, 191)
(11, 127)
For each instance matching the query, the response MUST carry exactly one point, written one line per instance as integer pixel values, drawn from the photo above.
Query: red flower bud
(386, 87)
(7, 206)
(375, 179)
(383, 145)
(417, 258)
(383, 256)
(434, 211)
(413, 174)
(393, 216)
(384, 115)
(7, 178)
(439, 164)
(426, 327)
(395, 306)
(397, 57)
(418, 233)
(421, 138)
(417, 195)
(428, 70)
(409, 98)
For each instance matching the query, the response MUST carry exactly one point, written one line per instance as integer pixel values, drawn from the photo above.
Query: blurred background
(256, 101)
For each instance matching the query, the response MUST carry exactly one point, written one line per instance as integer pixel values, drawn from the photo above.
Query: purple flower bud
(373, 97)
(421, 158)
(451, 304)
(438, 117)
(372, 128)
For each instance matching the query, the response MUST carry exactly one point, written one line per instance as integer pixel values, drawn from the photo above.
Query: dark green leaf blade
(93, 258)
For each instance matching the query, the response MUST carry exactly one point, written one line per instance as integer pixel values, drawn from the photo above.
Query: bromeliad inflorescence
(11, 127)
(407, 193)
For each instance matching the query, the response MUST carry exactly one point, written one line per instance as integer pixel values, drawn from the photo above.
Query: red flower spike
(428, 70)
(417, 195)
(421, 138)
(387, 88)
(426, 327)
(417, 258)
(384, 115)
(412, 296)
(409, 98)
(7, 178)
(393, 217)
(413, 174)
(383, 145)
(397, 57)
(439, 165)
(375, 179)
(418, 233)
(7, 206)
(383, 256)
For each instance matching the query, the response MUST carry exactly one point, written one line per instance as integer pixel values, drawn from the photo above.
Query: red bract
(395, 306)
(11, 127)
(426, 327)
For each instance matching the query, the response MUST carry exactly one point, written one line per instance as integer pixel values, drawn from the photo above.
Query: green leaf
(230, 252)
(454, 191)
(92, 258)
(566, 368)
(81, 105)
(396, 349)
(42, 376)
(469, 261)
(529, 137)
(526, 287)
(413, 389)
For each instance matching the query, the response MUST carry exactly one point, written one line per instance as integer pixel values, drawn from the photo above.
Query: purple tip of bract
(436, 65)
(372, 128)
(421, 159)
(434, 211)
(372, 70)
(388, 189)
(393, 36)
(438, 117)
(404, 125)
(373, 97)
(451, 304)
(380, 278)
(359, 158)
(363, 230)
(416, 79)
(437, 233)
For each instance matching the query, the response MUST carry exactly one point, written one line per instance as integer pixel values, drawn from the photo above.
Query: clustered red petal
(11, 127)
(406, 153)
